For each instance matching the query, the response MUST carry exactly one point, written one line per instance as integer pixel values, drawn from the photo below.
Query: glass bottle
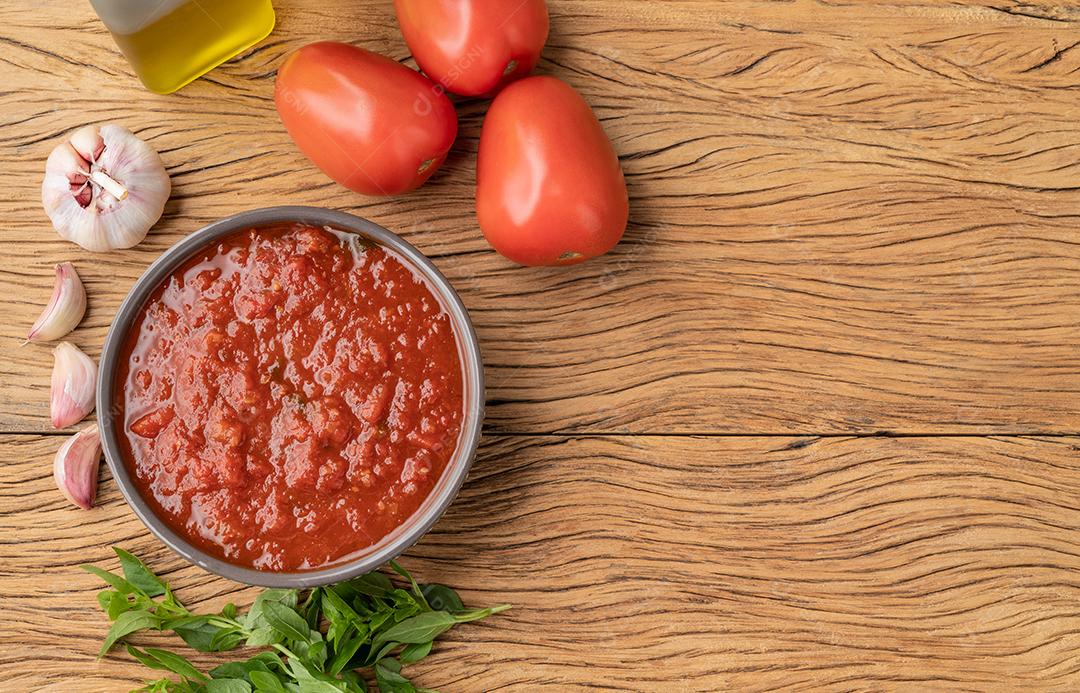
(171, 42)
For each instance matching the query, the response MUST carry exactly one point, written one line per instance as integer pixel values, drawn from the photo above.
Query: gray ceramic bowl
(441, 496)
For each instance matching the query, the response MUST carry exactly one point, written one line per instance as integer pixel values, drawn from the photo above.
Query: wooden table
(814, 423)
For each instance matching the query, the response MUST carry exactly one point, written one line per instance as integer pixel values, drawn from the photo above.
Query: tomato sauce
(289, 396)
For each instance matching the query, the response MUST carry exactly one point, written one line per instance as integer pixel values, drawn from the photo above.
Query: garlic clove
(65, 160)
(104, 188)
(74, 378)
(75, 467)
(88, 142)
(65, 309)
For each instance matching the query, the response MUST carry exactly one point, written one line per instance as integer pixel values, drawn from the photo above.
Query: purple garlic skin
(104, 188)
(65, 309)
(74, 379)
(75, 468)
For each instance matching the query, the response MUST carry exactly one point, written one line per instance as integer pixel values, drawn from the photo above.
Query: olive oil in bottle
(171, 42)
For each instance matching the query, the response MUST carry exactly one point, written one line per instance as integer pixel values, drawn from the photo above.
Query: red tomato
(474, 47)
(370, 123)
(549, 189)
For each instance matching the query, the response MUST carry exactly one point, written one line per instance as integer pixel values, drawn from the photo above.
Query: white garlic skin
(74, 379)
(65, 309)
(84, 212)
(75, 467)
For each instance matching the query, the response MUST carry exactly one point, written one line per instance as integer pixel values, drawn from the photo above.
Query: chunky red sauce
(290, 396)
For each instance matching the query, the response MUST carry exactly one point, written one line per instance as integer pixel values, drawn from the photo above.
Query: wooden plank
(844, 217)
(637, 562)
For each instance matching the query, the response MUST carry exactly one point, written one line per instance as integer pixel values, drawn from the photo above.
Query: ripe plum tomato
(474, 47)
(549, 188)
(370, 123)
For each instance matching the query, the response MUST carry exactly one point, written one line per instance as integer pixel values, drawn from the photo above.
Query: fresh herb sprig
(330, 640)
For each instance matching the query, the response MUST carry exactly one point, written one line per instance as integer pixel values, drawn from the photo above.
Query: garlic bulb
(74, 378)
(65, 309)
(75, 467)
(104, 188)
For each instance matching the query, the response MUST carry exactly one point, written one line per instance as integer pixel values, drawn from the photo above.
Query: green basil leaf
(261, 637)
(343, 590)
(104, 597)
(287, 622)
(419, 628)
(310, 653)
(392, 665)
(266, 682)
(319, 686)
(312, 683)
(200, 639)
(406, 600)
(312, 608)
(171, 603)
(377, 620)
(332, 602)
(228, 686)
(362, 604)
(232, 670)
(197, 632)
(143, 602)
(146, 659)
(255, 618)
(388, 676)
(345, 655)
(176, 664)
(345, 652)
(368, 620)
(127, 623)
(415, 652)
(227, 639)
(417, 593)
(336, 632)
(139, 575)
(120, 584)
(168, 612)
(316, 655)
(372, 585)
(240, 670)
(387, 685)
(266, 660)
(159, 686)
(442, 598)
(354, 682)
(118, 604)
(377, 654)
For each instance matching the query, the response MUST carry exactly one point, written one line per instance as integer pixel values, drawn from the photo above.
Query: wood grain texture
(845, 216)
(661, 563)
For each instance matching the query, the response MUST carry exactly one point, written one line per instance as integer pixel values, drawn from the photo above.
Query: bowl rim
(436, 503)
